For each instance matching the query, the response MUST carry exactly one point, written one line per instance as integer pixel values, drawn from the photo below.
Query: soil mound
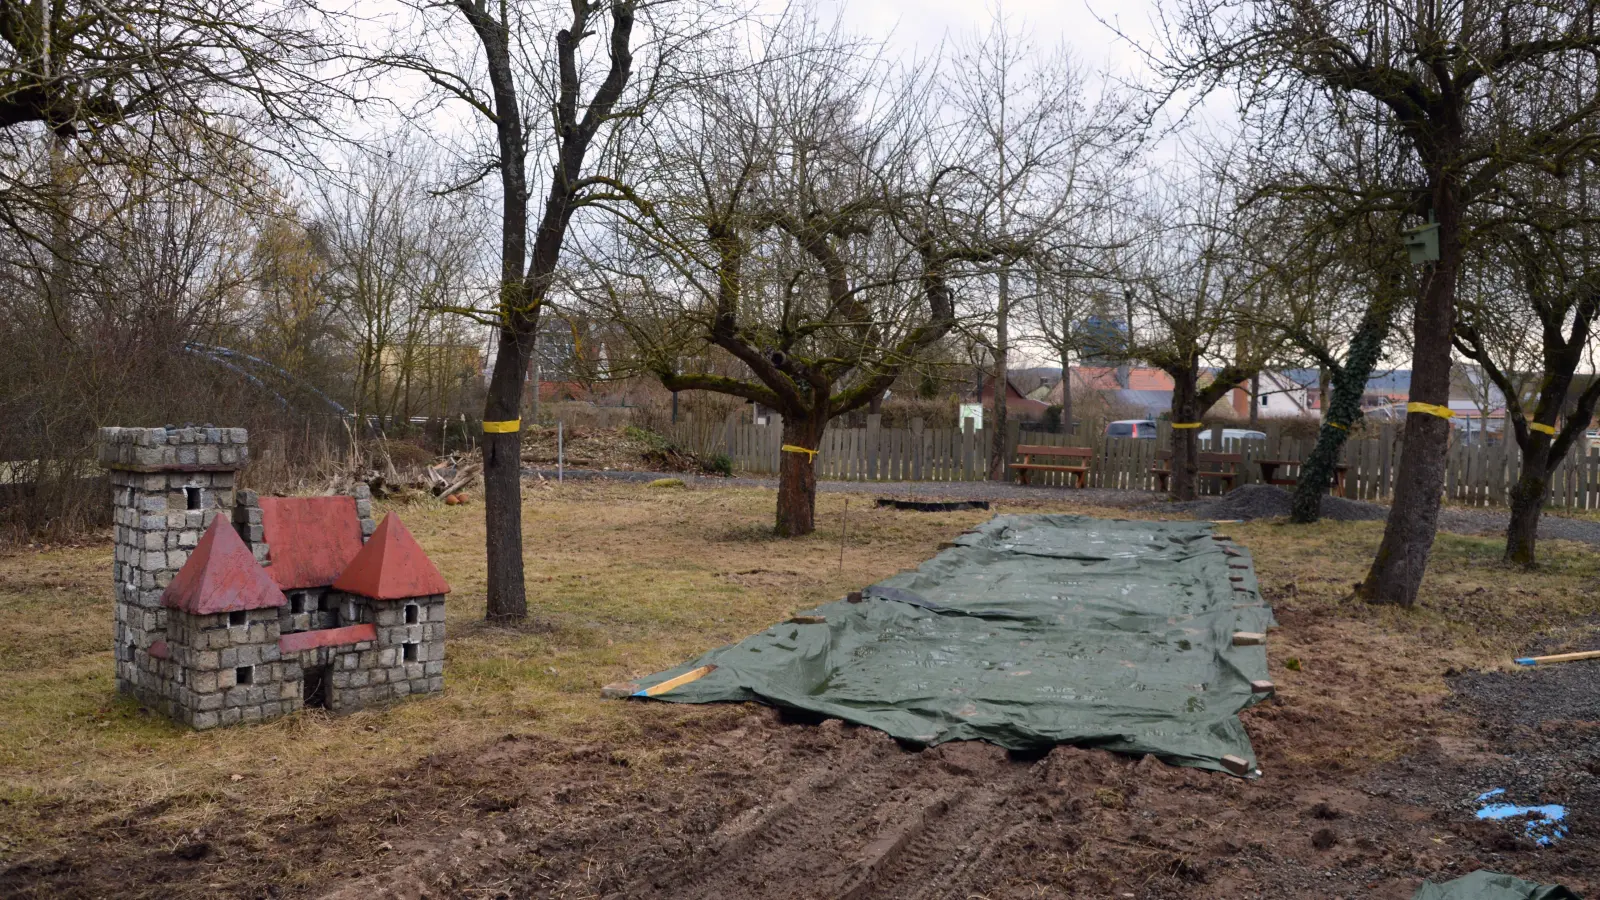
(1265, 501)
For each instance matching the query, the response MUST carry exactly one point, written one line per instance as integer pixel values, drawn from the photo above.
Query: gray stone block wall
(228, 669)
(248, 523)
(167, 484)
(382, 671)
(363, 495)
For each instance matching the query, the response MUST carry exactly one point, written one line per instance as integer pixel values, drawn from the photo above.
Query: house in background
(1146, 392)
(1280, 397)
(1018, 404)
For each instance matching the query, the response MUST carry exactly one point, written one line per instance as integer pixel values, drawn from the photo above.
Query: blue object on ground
(1545, 824)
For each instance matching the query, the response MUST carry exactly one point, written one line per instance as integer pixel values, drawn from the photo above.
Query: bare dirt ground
(1386, 725)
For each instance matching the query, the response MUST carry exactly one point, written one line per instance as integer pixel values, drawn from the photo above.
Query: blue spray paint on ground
(1545, 824)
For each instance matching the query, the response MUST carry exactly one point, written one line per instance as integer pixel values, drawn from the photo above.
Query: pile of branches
(447, 477)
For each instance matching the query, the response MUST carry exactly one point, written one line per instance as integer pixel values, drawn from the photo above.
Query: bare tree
(397, 257)
(1191, 283)
(793, 233)
(1527, 322)
(1038, 143)
(1449, 79)
(533, 76)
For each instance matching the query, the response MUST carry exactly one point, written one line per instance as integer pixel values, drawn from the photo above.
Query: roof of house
(1105, 378)
(221, 576)
(1152, 403)
(310, 540)
(392, 566)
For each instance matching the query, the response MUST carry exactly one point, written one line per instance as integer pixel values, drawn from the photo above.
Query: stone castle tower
(167, 485)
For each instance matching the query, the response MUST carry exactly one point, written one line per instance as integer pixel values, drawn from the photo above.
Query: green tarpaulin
(1032, 631)
(1491, 886)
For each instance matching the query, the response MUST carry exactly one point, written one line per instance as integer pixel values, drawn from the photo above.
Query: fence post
(916, 448)
(874, 433)
(966, 448)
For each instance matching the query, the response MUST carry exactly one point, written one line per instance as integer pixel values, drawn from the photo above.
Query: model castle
(236, 608)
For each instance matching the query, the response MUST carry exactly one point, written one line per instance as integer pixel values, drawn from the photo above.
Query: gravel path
(1254, 501)
(905, 490)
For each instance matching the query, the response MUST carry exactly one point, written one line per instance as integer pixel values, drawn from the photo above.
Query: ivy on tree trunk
(1349, 381)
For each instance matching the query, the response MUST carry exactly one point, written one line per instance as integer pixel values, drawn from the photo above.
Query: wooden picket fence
(1476, 475)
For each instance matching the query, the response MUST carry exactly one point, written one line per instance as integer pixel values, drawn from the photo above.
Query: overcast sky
(918, 26)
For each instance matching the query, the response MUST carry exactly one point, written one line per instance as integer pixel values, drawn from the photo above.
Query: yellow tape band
(1546, 429)
(1338, 426)
(1188, 424)
(510, 427)
(790, 448)
(1443, 412)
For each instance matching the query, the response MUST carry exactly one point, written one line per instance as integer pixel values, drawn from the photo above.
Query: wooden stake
(680, 681)
(1558, 658)
(844, 528)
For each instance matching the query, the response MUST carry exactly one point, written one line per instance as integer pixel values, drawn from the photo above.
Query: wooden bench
(1065, 459)
(1269, 471)
(1227, 476)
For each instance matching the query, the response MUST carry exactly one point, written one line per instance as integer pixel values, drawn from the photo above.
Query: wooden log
(1248, 639)
(1262, 687)
(807, 620)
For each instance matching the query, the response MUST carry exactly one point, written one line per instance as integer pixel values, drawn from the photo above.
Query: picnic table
(1224, 468)
(1269, 468)
(1074, 461)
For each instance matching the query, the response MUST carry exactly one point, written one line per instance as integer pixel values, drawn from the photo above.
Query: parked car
(1143, 429)
(1232, 434)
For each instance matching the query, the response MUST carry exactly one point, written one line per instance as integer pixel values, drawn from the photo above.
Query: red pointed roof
(310, 540)
(221, 576)
(392, 566)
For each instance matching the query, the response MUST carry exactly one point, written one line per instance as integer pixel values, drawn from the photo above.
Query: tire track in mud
(876, 823)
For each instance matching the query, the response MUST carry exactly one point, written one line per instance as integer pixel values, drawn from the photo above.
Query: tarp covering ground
(1031, 631)
(1483, 885)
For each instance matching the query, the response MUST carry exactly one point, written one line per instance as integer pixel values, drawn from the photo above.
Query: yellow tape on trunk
(502, 427)
(1546, 429)
(1188, 424)
(1443, 412)
(791, 448)
(1338, 426)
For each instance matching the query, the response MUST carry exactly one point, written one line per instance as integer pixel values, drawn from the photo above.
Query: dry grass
(625, 580)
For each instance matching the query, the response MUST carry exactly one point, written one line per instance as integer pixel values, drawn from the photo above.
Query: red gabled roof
(392, 566)
(310, 540)
(221, 576)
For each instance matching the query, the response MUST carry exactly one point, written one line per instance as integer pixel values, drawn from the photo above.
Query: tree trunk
(1066, 397)
(1317, 471)
(797, 475)
(997, 427)
(1341, 411)
(502, 484)
(1527, 504)
(1255, 399)
(1396, 573)
(1185, 443)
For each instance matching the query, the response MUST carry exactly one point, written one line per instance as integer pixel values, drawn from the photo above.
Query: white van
(1232, 434)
